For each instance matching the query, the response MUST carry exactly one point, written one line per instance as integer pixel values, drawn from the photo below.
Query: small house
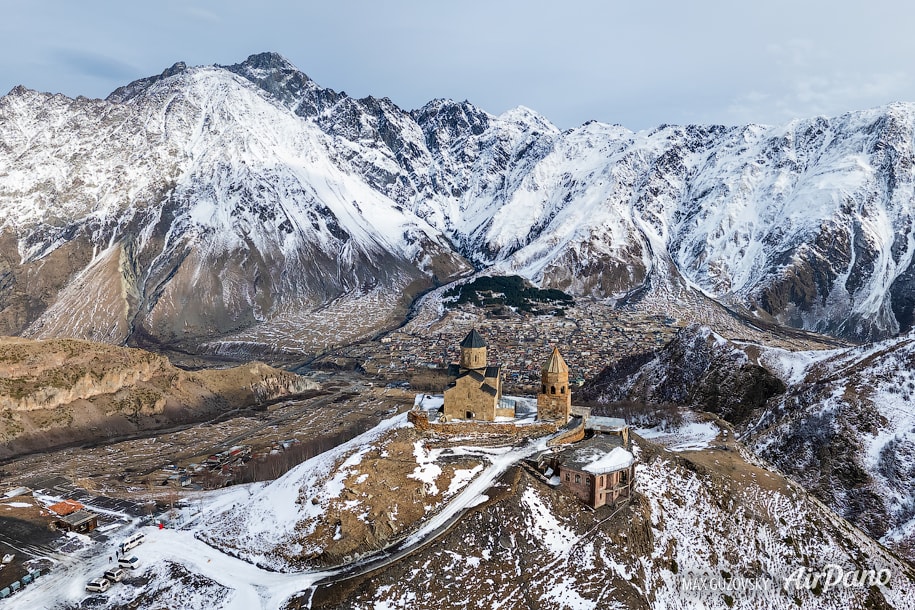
(81, 521)
(597, 471)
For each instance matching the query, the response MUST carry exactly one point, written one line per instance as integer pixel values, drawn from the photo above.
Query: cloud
(95, 64)
(201, 14)
(808, 79)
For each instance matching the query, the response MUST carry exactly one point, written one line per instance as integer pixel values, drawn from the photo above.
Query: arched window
(567, 476)
(562, 389)
(578, 478)
(552, 389)
(544, 389)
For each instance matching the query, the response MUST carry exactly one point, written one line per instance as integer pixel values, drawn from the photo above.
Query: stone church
(477, 389)
(476, 392)
(554, 402)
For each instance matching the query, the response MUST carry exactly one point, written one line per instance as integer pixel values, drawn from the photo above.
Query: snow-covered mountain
(190, 205)
(237, 202)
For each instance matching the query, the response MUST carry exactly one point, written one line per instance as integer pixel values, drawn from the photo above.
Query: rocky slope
(840, 422)
(230, 205)
(707, 528)
(62, 391)
(742, 529)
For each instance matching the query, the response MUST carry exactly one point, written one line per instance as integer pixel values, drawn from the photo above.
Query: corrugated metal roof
(79, 517)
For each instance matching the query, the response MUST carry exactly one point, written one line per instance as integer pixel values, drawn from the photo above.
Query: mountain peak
(177, 68)
(265, 63)
(276, 76)
(19, 90)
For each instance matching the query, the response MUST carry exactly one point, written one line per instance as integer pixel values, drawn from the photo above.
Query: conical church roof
(473, 339)
(555, 364)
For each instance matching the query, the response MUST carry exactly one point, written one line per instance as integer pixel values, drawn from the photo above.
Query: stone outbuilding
(476, 393)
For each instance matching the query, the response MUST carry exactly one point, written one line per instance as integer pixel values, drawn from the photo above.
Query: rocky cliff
(840, 422)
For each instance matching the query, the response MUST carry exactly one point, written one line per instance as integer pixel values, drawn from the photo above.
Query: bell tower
(554, 402)
(473, 352)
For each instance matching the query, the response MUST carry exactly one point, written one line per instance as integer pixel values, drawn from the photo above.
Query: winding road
(254, 587)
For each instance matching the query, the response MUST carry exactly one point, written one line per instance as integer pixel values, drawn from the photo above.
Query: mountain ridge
(293, 196)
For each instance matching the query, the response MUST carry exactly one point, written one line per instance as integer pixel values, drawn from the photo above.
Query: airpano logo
(770, 587)
(832, 576)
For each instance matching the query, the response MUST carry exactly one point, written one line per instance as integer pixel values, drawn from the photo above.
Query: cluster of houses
(224, 464)
(593, 338)
(597, 467)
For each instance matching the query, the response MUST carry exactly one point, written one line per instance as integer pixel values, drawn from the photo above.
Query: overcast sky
(639, 64)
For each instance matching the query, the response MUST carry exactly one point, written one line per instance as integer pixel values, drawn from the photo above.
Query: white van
(131, 542)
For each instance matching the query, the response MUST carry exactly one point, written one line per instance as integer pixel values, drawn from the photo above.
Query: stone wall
(420, 420)
(572, 435)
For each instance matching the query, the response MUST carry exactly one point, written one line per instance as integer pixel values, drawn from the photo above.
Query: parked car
(115, 575)
(128, 563)
(99, 585)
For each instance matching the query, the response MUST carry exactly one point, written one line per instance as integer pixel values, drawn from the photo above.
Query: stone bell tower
(554, 402)
(473, 352)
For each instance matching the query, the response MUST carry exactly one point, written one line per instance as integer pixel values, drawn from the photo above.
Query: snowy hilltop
(460, 522)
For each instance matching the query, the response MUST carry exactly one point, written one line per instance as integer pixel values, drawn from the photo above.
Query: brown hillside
(62, 391)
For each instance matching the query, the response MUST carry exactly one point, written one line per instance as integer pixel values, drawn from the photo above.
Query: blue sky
(639, 64)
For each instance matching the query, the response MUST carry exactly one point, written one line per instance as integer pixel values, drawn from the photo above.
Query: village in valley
(590, 334)
(367, 486)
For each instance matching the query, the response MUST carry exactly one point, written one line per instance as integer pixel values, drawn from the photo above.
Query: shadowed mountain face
(230, 204)
(840, 422)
